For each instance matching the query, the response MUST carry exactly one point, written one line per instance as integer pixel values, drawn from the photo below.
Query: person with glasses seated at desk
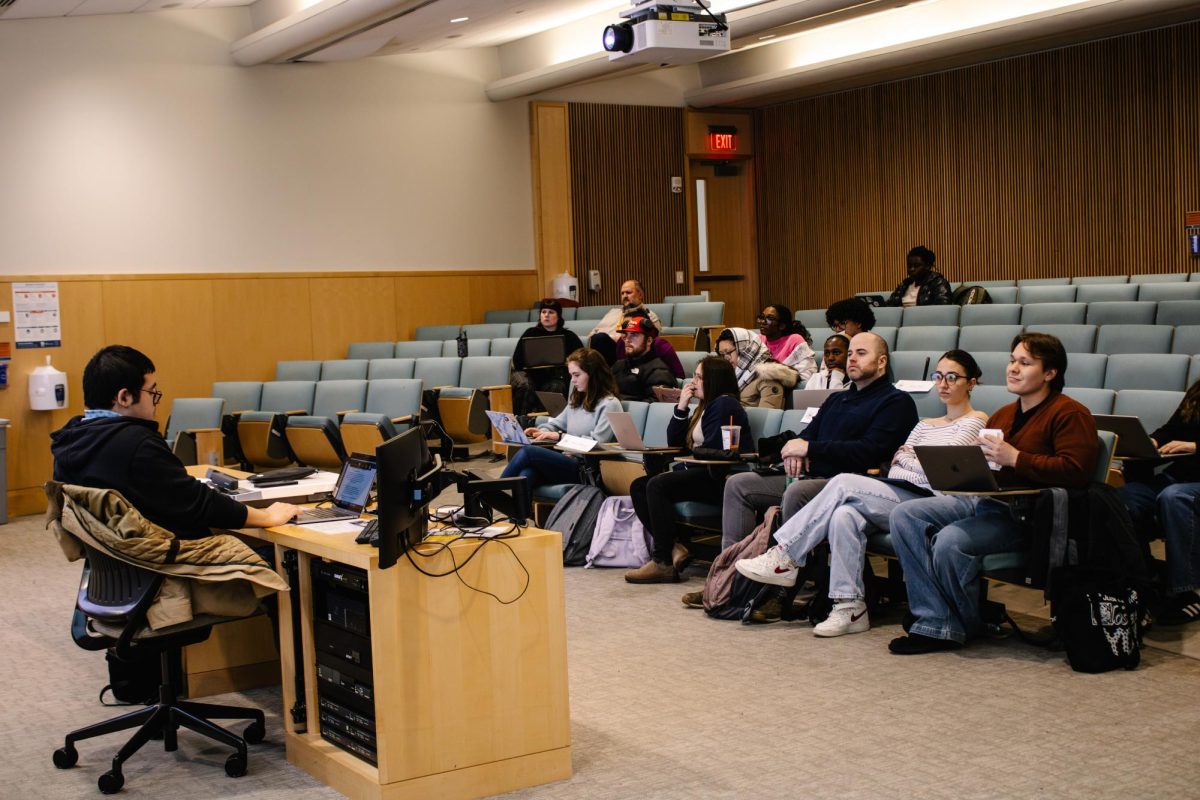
(116, 445)
(851, 316)
(850, 505)
(593, 395)
(761, 379)
(787, 339)
(526, 381)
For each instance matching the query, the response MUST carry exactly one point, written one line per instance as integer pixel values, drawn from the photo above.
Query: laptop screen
(353, 490)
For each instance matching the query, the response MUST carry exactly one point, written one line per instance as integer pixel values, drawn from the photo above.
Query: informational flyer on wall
(36, 318)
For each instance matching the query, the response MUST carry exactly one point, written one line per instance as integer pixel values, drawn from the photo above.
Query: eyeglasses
(767, 318)
(155, 393)
(949, 377)
(838, 327)
(726, 353)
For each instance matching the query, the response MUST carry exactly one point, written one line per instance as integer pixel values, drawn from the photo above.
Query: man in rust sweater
(1049, 440)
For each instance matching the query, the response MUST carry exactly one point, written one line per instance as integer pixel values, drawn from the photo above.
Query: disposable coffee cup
(730, 437)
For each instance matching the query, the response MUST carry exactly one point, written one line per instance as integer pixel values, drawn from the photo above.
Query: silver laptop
(553, 402)
(1132, 439)
(959, 468)
(812, 398)
(351, 495)
(544, 351)
(509, 427)
(627, 433)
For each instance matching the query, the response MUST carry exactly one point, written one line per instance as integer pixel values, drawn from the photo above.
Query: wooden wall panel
(1079, 161)
(551, 159)
(198, 329)
(627, 222)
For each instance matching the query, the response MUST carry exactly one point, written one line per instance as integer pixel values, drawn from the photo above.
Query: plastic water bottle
(462, 343)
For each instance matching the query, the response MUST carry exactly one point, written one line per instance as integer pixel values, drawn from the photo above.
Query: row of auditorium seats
(1174, 372)
(473, 372)
(1090, 280)
(664, 310)
(1107, 312)
(581, 320)
(1077, 338)
(1089, 293)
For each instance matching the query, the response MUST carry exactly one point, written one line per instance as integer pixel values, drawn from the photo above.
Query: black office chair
(114, 597)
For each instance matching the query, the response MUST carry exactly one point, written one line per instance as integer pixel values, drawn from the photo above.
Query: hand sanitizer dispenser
(47, 388)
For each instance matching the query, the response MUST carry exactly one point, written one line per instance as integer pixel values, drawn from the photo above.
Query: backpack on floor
(619, 539)
(1096, 615)
(970, 295)
(727, 592)
(574, 516)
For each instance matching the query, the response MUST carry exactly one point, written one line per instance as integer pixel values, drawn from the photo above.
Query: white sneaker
(773, 566)
(847, 617)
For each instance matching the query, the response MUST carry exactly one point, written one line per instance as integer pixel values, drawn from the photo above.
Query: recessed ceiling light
(768, 36)
(459, 19)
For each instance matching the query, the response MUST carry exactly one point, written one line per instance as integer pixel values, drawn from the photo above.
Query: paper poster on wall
(36, 319)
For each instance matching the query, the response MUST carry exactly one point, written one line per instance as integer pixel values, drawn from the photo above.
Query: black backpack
(970, 295)
(574, 516)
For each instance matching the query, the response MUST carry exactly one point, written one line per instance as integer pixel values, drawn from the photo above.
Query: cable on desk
(439, 547)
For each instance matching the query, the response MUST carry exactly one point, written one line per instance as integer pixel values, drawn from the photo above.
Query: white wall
(131, 143)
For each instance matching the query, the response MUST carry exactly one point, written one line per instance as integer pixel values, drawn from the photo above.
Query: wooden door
(723, 247)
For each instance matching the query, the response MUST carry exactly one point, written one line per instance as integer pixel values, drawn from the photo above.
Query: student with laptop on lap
(715, 386)
(1045, 439)
(1172, 494)
(593, 395)
(116, 445)
(850, 505)
(538, 361)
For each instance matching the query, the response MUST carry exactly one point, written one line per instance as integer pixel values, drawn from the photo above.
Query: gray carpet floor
(667, 703)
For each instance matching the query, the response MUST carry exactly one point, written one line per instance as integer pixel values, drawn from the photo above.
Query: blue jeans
(842, 512)
(541, 466)
(941, 541)
(1176, 507)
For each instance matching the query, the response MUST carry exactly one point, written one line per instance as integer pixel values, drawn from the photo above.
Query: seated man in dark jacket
(641, 370)
(116, 445)
(924, 285)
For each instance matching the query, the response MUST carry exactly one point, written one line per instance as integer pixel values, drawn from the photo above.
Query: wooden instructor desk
(470, 695)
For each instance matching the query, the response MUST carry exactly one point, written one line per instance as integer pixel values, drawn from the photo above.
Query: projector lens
(618, 38)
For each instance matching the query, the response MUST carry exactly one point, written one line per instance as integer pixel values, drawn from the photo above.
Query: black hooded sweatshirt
(127, 454)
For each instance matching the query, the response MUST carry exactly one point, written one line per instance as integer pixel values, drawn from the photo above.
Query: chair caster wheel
(254, 733)
(111, 782)
(235, 765)
(66, 757)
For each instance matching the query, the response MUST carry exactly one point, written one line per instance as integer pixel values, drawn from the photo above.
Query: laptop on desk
(812, 398)
(351, 495)
(508, 426)
(1132, 439)
(627, 433)
(544, 351)
(553, 402)
(960, 468)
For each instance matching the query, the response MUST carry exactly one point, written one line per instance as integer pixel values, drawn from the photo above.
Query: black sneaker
(1179, 609)
(915, 644)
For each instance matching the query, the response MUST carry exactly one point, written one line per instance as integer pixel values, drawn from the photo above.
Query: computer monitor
(407, 482)
(509, 496)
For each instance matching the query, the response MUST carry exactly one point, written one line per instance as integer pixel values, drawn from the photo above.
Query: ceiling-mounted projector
(667, 33)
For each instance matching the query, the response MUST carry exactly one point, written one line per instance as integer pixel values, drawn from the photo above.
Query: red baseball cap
(639, 325)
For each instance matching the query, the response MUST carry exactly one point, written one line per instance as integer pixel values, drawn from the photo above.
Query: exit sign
(722, 139)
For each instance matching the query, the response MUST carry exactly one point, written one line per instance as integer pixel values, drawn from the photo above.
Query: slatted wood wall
(1079, 161)
(627, 223)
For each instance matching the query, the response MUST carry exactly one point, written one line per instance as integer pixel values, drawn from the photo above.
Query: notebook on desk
(350, 496)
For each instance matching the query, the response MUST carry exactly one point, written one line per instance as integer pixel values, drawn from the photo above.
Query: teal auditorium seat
(888, 316)
(990, 314)
(258, 432)
(1043, 282)
(486, 330)
(814, 320)
(1162, 371)
(687, 298)
(977, 339)
(429, 349)
(435, 373)
(1003, 294)
(637, 411)
(1155, 292)
(887, 333)
(929, 404)
(689, 359)
(437, 333)
(581, 328)
(298, 371)
(665, 312)
(1152, 406)
(992, 284)
(989, 399)
(994, 366)
(793, 420)
(314, 439)
(1053, 314)
(927, 337)
(193, 413)
(371, 350)
(1160, 277)
(1046, 294)
(1187, 340)
(1075, 338)
(1090, 280)
(239, 396)
(507, 316)
(763, 422)
(1178, 312)
(481, 372)
(698, 314)
(393, 406)
(383, 368)
(909, 365)
(1087, 370)
(931, 315)
(1194, 371)
(1121, 313)
(1098, 401)
(1117, 339)
(657, 417)
(1105, 292)
(505, 347)
(344, 369)
(592, 312)
(475, 347)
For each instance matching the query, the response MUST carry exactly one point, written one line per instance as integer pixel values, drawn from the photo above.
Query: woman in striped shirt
(851, 504)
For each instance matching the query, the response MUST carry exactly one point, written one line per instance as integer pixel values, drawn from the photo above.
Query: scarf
(751, 352)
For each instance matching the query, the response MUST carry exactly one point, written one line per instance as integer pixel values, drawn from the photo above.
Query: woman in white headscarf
(761, 379)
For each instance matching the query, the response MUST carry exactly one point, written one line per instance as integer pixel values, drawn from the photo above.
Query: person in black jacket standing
(527, 381)
(115, 444)
(654, 498)
(641, 370)
(924, 285)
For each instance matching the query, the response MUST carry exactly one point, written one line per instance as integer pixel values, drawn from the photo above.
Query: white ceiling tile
(28, 9)
(106, 7)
